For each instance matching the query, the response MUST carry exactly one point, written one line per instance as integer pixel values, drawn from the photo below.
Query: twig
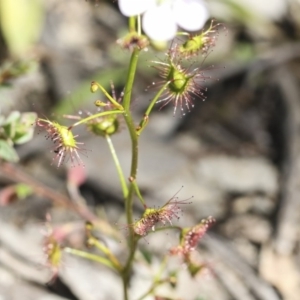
(16, 174)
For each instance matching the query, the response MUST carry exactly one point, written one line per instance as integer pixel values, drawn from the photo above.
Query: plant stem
(125, 289)
(132, 24)
(153, 287)
(145, 120)
(127, 268)
(114, 261)
(130, 79)
(16, 174)
(109, 97)
(90, 256)
(100, 114)
(139, 26)
(118, 166)
(134, 139)
(138, 193)
(133, 239)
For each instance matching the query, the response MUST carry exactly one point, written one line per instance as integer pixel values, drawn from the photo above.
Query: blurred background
(237, 153)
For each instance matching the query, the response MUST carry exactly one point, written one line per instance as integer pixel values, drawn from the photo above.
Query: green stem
(132, 24)
(109, 97)
(145, 120)
(118, 166)
(127, 268)
(125, 289)
(98, 115)
(134, 139)
(156, 280)
(92, 257)
(139, 26)
(133, 238)
(94, 242)
(130, 79)
(153, 287)
(138, 193)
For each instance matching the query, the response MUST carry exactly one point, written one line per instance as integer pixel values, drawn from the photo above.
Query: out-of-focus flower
(190, 15)
(159, 22)
(161, 18)
(190, 237)
(52, 248)
(131, 8)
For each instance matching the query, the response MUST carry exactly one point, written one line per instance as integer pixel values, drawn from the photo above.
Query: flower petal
(191, 15)
(159, 23)
(131, 8)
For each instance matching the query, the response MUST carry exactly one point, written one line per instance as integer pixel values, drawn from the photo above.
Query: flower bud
(190, 237)
(100, 103)
(94, 87)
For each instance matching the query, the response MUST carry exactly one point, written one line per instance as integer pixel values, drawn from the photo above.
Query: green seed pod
(200, 43)
(107, 125)
(193, 45)
(178, 79)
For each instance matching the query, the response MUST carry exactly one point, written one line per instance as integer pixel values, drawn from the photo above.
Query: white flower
(131, 8)
(161, 18)
(191, 15)
(159, 23)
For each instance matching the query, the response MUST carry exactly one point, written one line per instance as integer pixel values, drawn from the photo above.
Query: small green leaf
(19, 127)
(9, 125)
(25, 128)
(21, 138)
(23, 190)
(7, 152)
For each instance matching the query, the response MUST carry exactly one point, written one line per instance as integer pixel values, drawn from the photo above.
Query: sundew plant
(185, 26)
